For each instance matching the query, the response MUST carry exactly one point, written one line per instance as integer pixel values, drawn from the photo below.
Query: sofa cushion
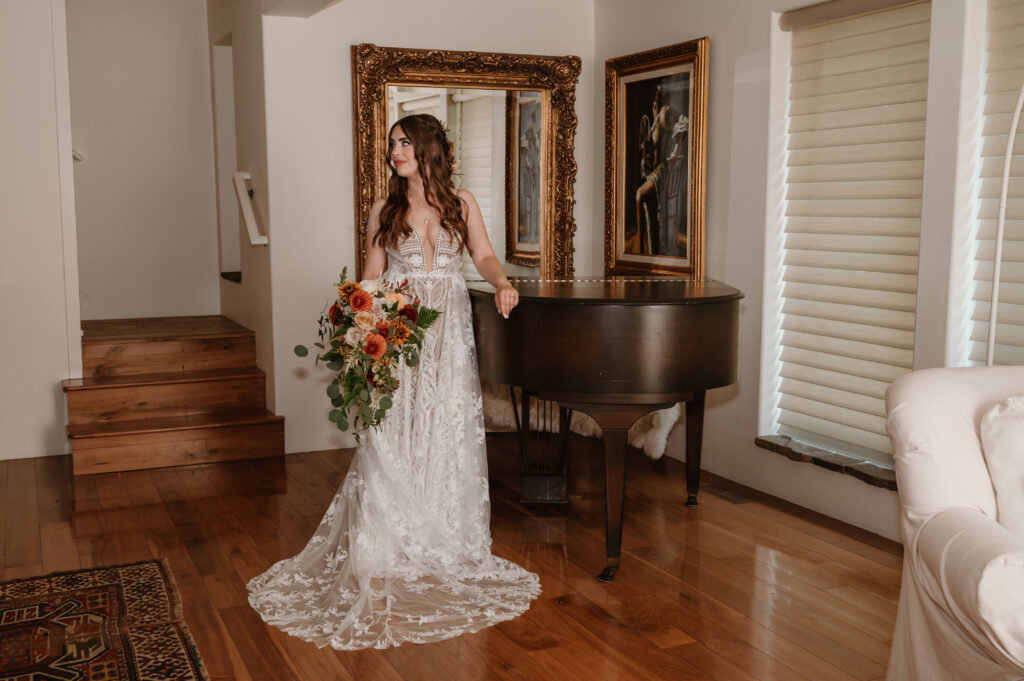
(1002, 440)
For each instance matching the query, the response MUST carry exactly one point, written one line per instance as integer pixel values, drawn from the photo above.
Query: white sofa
(961, 609)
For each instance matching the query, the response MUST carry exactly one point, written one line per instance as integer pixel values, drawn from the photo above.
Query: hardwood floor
(739, 588)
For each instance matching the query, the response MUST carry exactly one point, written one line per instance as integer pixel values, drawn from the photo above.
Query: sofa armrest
(978, 566)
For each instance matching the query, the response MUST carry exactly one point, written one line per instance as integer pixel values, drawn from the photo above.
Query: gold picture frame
(655, 160)
(374, 68)
(524, 191)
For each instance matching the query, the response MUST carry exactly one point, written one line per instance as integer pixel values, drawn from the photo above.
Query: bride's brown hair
(434, 159)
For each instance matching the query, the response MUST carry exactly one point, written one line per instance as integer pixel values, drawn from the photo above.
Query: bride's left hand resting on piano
(506, 296)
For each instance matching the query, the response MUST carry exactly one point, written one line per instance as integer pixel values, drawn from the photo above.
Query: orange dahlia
(375, 345)
(382, 327)
(346, 289)
(360, 300)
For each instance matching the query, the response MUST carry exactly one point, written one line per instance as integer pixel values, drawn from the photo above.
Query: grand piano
(615, 348)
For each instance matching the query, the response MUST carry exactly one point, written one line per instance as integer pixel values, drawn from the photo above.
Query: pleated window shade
(855, 160)
(475, 157)
(1004, 73)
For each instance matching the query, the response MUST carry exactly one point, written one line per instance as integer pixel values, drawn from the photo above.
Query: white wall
(141, 115)
(309, 146)
(736, 199)
(36, 203)
(249, 303)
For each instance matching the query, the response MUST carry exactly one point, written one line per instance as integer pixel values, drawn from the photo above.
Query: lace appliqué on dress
(403, 552)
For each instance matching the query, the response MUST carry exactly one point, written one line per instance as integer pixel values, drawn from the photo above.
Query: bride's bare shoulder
(467, 200)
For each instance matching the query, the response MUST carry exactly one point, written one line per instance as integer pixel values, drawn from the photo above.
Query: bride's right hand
(506, 298)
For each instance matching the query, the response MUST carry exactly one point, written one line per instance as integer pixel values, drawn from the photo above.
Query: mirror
(507, 115)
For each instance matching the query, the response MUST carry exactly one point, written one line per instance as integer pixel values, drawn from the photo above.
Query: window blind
(855, 161)
(1004, 72)
(474, 157)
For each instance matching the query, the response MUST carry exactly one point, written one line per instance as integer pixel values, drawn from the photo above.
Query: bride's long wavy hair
(435, 159)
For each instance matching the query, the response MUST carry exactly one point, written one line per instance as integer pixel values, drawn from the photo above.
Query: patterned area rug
(120, 623)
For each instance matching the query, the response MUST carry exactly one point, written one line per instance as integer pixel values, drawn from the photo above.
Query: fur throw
(650, 433)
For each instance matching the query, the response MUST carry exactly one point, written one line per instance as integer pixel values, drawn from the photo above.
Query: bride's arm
(506, 297)
(376, 258)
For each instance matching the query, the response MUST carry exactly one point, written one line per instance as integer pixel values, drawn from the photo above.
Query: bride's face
(403, 154)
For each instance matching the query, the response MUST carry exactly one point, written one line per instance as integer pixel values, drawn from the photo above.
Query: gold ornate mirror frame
(374, 68)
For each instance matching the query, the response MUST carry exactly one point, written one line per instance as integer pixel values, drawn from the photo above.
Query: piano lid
(618, 290)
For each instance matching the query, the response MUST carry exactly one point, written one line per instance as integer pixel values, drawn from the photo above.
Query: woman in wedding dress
(403, 552)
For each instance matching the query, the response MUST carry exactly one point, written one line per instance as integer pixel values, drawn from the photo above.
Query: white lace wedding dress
(403, 552)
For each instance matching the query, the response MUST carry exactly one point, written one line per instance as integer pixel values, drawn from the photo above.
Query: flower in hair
(451, 157)
(449, 147)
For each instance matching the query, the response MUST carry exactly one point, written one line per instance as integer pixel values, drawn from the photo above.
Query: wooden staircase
(168, 391)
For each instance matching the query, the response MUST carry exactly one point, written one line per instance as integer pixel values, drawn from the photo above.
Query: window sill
(866, 471)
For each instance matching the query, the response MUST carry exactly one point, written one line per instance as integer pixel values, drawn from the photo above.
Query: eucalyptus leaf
(301, 350)
(333, 390)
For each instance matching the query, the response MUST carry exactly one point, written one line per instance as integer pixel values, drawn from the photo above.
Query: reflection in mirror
(487, 152)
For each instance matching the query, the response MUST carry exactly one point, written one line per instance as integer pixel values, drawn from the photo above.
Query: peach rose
(393, 297)
(365, 320)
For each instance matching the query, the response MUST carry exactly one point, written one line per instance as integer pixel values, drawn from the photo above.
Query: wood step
(171, 423)
(150, 396)
(162, 442)
(117, 347)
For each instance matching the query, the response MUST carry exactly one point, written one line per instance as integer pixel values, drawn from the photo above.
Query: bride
(403, 552)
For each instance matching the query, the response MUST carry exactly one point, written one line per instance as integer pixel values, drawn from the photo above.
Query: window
(1004, 72)
(854, 166)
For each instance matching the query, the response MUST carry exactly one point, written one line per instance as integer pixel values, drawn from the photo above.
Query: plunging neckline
(424, 241)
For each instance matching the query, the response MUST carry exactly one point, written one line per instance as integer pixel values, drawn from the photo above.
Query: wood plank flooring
(740, 588)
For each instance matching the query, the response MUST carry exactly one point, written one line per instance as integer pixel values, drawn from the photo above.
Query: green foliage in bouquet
(364, 335)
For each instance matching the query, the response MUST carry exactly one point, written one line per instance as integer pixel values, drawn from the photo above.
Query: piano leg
(694, 435)
(615, 420)
(615, 486)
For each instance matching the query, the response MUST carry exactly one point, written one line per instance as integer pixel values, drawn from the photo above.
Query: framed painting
(655, 159)
(524, 203)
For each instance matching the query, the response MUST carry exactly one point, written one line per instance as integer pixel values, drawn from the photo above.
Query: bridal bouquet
(363, 336)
